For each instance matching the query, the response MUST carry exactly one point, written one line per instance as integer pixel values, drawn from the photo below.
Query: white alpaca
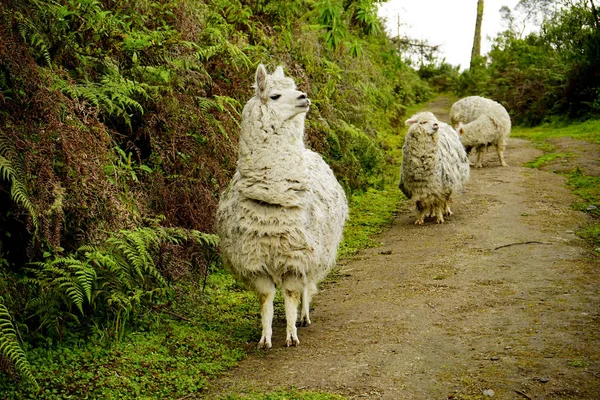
(434, 166)
(481, 123)
(281, 218)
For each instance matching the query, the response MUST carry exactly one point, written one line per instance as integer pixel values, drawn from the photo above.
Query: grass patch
(588, 131)
(591, 234)
(369, 213)
(578, 364)
(545, 159)
(166, 357)
(374, 209)
(588, 188)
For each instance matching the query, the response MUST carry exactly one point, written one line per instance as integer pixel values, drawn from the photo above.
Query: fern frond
(11, 348)
(18, 191)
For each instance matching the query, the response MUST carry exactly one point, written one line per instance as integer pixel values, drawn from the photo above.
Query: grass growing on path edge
(585, 186)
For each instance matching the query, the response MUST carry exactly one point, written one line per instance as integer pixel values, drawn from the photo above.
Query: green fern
(10, 172)
(32, 36)
(11, 348)
(110, 280)
(114, 94)
(70, 278)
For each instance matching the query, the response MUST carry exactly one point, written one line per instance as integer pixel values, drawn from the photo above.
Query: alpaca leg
(266, 292)
(307, 294)
(421, 210)
(500, 150)
(292, 289)
(439, 215)
(479, 163)
(447, 210)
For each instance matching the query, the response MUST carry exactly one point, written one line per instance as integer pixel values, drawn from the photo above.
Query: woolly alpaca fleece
(480, 123)
(434, 166)
(281, 219)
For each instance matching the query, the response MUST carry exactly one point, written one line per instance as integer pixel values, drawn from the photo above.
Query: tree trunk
(476, 52)
(595, 14)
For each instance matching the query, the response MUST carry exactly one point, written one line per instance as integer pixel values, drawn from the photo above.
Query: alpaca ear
(261, 78)
(410, 121)
(278, 72)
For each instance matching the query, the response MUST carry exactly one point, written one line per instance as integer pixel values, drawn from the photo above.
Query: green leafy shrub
(106, 283)
(546, 74)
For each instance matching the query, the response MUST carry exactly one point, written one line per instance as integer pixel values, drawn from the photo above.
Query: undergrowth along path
(501, 299)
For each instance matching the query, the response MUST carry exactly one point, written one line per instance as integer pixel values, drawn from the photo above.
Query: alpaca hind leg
(500, 150)
(292, 289)
(479, 162)
(266, 292)
(307, 294)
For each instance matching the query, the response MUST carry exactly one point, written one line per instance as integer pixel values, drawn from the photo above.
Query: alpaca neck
(271, 160)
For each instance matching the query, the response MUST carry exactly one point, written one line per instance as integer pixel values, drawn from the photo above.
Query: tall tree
(476, 51)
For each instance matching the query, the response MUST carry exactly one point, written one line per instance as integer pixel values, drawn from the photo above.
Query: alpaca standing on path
(434, 166)
(481, 123)
(281, 218)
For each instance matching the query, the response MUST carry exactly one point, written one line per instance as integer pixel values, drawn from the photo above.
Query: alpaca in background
(434, 166)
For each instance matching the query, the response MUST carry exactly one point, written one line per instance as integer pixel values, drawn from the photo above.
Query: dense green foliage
(548, 74)
(552, 73)
(118, 130)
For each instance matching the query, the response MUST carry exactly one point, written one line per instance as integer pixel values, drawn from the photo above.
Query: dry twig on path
(517, 243)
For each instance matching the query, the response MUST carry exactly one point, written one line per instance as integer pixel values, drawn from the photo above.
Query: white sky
(449, 23)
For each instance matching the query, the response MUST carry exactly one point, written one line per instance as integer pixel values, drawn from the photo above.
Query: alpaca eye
(275, 96)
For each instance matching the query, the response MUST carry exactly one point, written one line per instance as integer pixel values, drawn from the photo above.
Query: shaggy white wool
(281, 219)
(434, 166)
(470, 108)
(481, 123)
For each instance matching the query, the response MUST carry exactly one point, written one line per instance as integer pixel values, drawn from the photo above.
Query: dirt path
(503, 297)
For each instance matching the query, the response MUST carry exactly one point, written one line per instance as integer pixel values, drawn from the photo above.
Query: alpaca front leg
(266, 291)
(439, 217)
(421, 210)
(447, 210)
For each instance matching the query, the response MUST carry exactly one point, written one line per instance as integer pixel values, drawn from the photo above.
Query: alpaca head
(426, 122)
(279, 93)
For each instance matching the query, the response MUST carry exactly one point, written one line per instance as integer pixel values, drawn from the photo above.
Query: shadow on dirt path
(503, 297)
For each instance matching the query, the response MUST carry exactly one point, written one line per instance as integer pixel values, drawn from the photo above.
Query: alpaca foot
(304, 321)
(264, 343)
(504, 164)
(419, 221)
(292, 340)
